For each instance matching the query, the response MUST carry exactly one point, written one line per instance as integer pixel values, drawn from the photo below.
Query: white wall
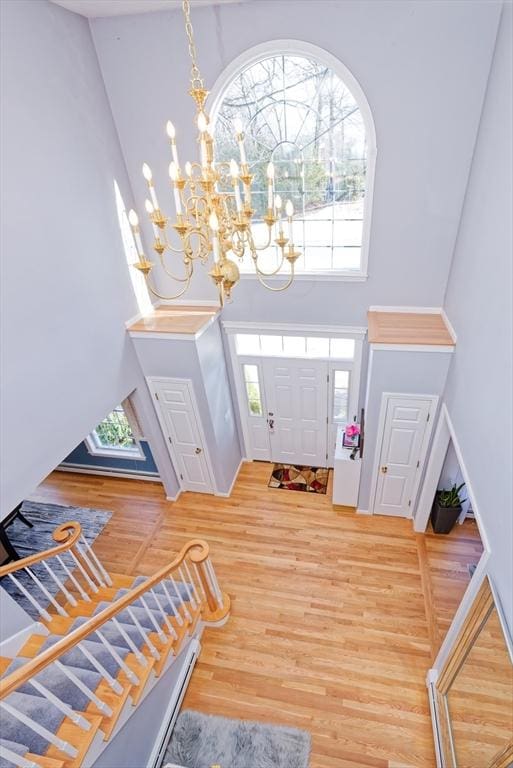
(66, 291)
(479, 305)
(423, 66)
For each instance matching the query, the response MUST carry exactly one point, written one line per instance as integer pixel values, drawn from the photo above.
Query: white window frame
(95, 448)
(301, 48)
(232, 328)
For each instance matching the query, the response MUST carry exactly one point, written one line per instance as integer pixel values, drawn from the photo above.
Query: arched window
(304, 110)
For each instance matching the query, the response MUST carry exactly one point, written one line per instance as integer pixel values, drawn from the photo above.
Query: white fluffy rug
(201, 741)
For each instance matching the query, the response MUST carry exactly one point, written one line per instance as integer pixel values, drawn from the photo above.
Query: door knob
(384, 470)
(271, 423)
(198, 450)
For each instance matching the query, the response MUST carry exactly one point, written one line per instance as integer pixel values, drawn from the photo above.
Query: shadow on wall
(138, 283)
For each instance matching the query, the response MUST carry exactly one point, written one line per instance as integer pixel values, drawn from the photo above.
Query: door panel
(180, 425)
(297, 404)
(405, 425)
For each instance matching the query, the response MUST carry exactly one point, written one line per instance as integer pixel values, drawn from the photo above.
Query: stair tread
(112, 634)
(38, 709)
(140, 614)
(58, 683)
(76, 736)
(181, 586)
(75, 658)
(14, 746)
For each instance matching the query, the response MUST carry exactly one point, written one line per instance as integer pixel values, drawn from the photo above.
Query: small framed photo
(351, 441)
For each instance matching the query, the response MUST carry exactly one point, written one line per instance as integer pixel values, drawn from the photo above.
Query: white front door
(405, 431)
(296, 398)
(175, 404)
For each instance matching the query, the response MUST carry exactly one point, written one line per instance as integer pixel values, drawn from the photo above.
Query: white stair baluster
(64, 746)
(39, 608)
(152, 649)
(196, 569)
(77, 718)
(178, 615)
(18, 760)
(96, 560)
(187, 588)
(126, 669)
(83, 594)
(60, 610)
(69, 597)
(213, 582)
(180, 598)
(141, 658)
(191, 581)
(153, 620)
(92, 567)
(116, 687)
(83, 571)
(163, 614)
(104, 708)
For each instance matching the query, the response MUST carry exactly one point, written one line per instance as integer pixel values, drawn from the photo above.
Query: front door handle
(384, 470)
(271, 423)
(198, 450)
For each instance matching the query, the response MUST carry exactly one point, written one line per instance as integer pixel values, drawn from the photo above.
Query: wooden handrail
(11, 682)
(67, 534)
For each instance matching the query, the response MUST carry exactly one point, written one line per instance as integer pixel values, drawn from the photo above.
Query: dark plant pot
(443, 519)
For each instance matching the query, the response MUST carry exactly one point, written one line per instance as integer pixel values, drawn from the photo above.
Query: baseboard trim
(82, 470)
(229, 492)
(363, 511)
(408, 310)
(176, 497)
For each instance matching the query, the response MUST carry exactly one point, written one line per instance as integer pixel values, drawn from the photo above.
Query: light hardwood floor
(328, 630)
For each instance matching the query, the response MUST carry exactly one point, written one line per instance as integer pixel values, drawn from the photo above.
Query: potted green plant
(446, 509)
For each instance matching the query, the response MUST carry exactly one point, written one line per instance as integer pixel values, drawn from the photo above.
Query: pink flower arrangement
(352, 430)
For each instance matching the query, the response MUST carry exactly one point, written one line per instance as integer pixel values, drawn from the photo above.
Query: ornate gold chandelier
(209, 220)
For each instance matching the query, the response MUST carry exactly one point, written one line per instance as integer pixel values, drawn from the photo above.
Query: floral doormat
(293, 477)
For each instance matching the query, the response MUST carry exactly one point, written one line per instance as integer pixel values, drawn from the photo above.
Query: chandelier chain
(196, 79)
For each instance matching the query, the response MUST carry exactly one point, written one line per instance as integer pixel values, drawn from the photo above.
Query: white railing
(175, 605)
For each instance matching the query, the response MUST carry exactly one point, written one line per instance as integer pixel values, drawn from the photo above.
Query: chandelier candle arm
(170, 129)
(270, 183)
(174, 175)
(289, 210)
(150, 211)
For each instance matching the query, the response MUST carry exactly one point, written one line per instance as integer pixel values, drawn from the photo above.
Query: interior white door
(401, 455)
(176, 409)
(297, 409)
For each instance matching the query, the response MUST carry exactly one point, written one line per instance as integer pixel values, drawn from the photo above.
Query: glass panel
(254, 399)
(300, 114)
(247, 344)
(318, 258)
(480, 700)
(317, 347)
(294, 346)
(340, 405)
(115, 431)
(251, 374)
(346, 258)
(342, 348)
(271, 345)
(342, 379)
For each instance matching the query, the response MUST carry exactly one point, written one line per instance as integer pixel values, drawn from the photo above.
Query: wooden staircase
(107, 637)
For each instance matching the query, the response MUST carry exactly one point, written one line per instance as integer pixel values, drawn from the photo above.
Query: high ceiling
(97, 8)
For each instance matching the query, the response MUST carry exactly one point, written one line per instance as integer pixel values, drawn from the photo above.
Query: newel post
(217, 604)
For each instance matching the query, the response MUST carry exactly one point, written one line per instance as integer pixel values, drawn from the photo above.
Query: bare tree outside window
(298, 113)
